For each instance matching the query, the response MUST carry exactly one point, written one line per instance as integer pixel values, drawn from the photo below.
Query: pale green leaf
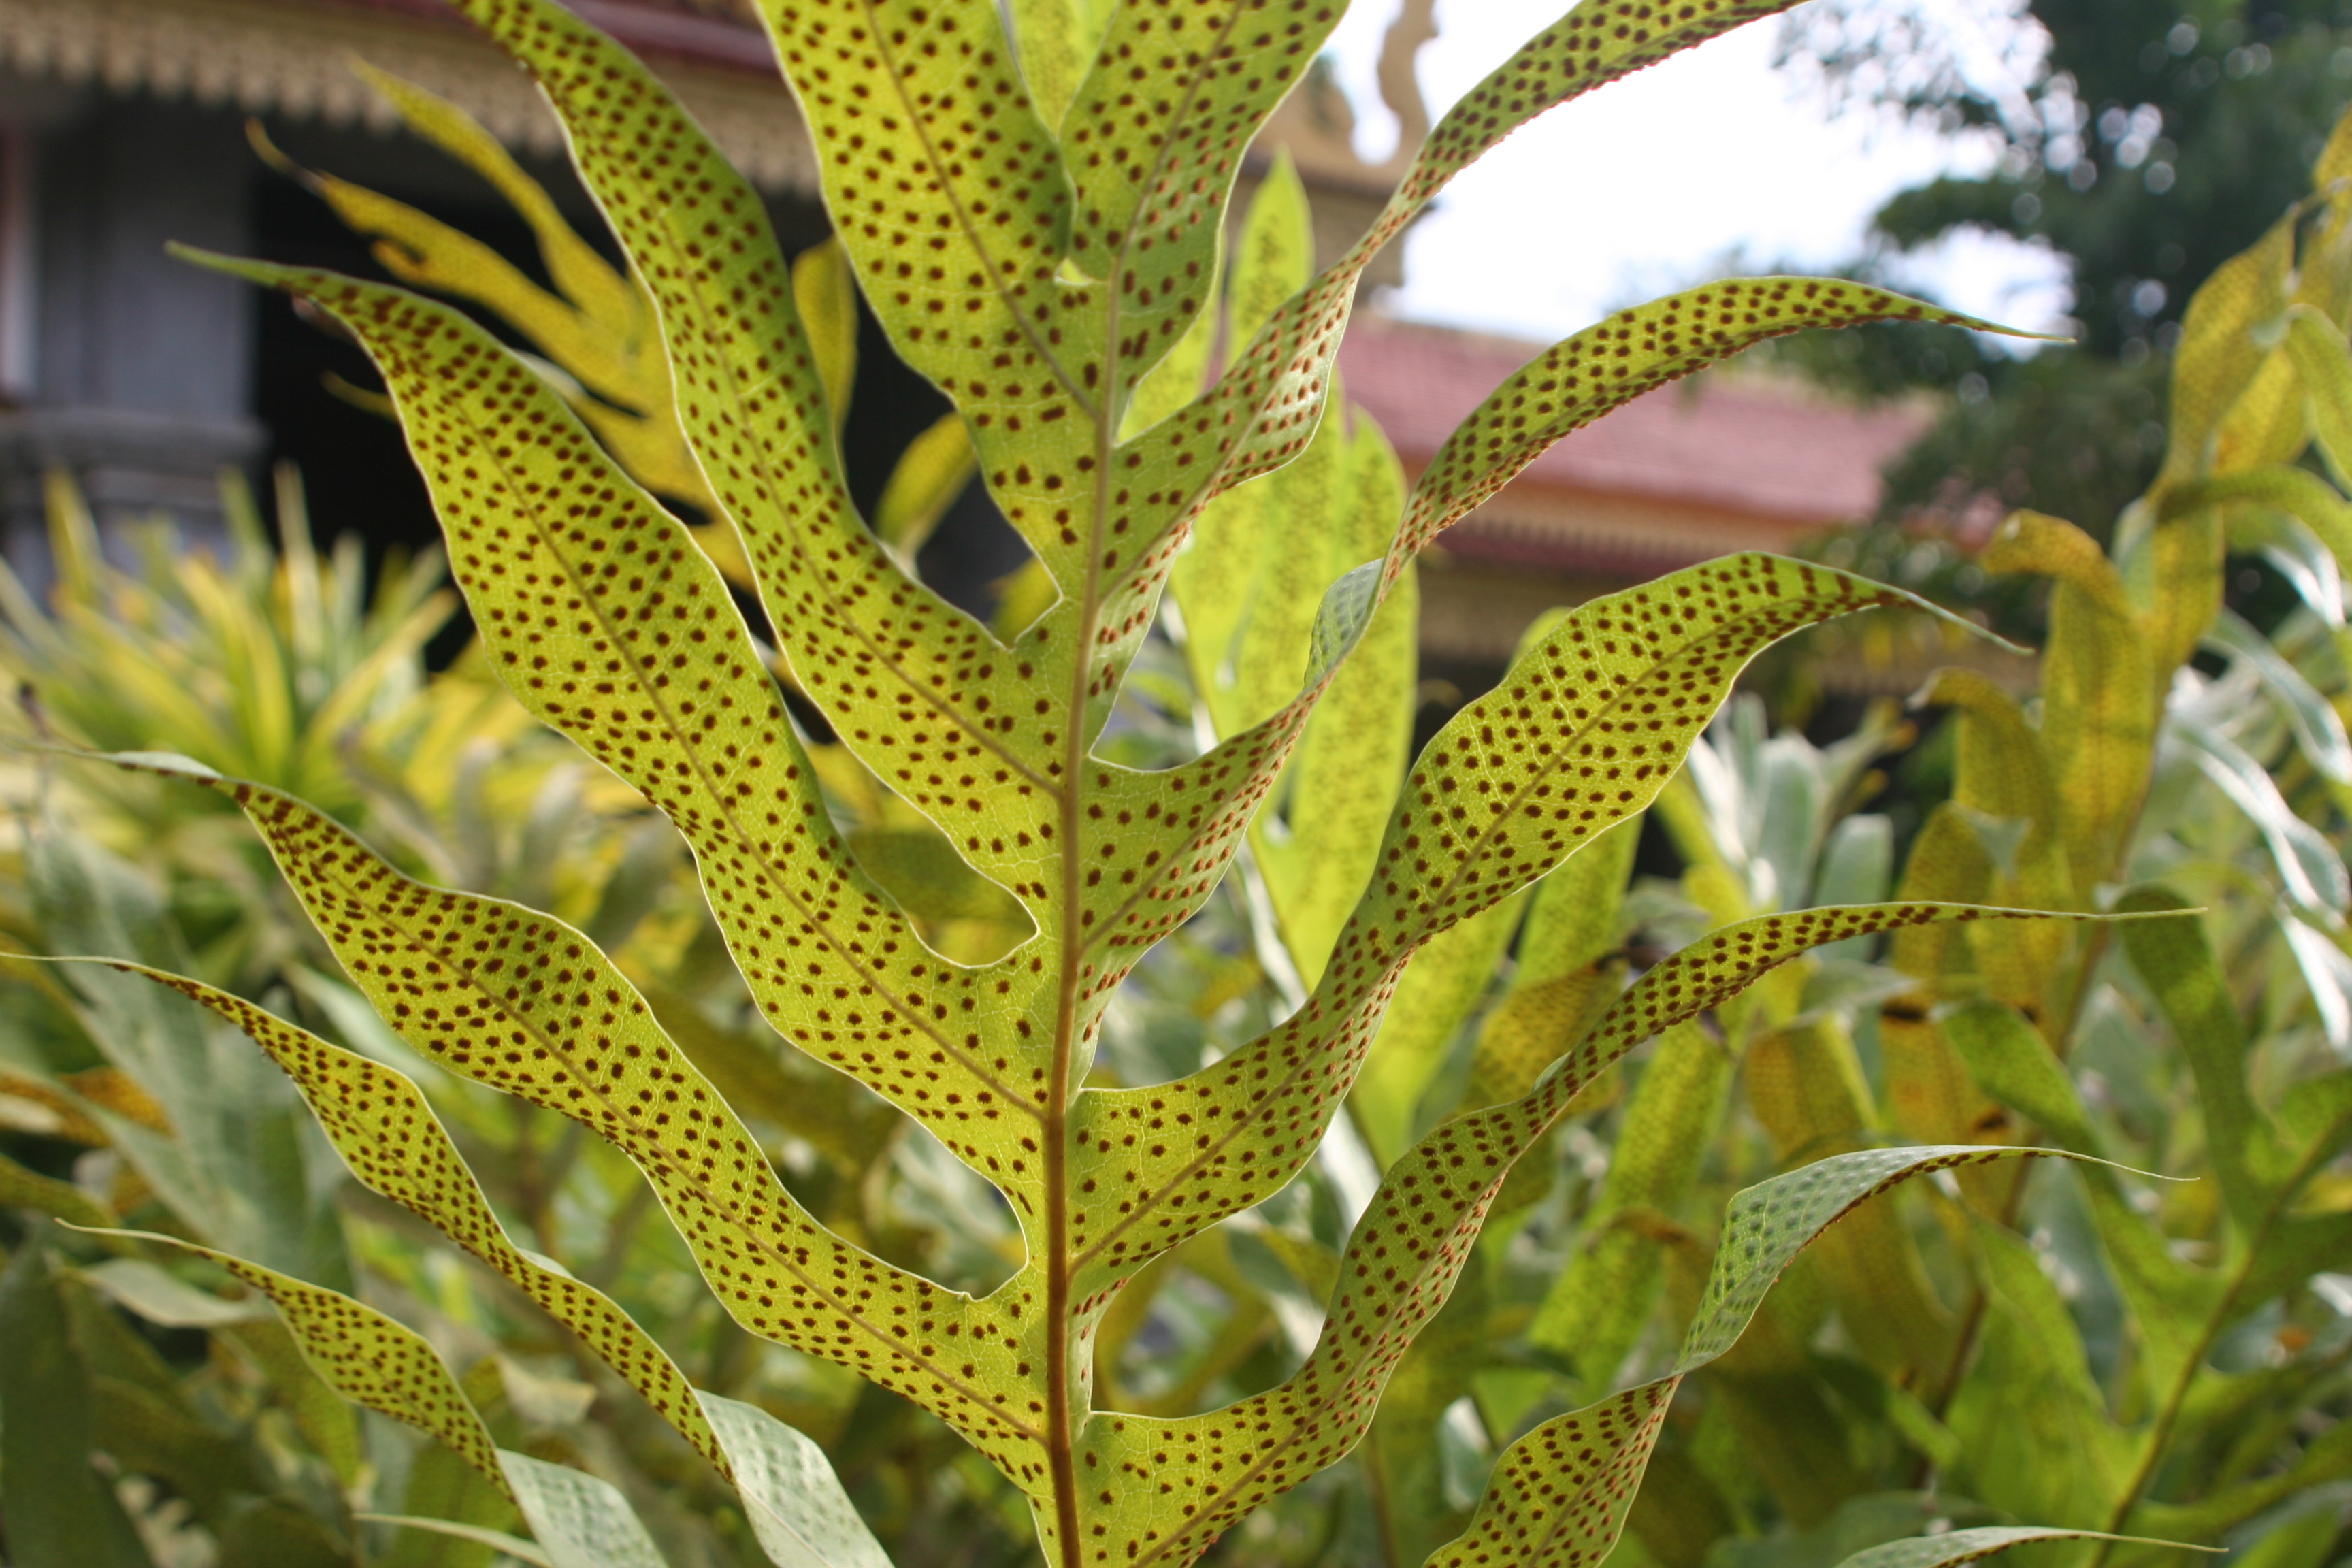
(1341, 786)
(60, 1512)
(2099, 699)
(930, 474)
(2327, 972)
(1440, 990)
(583, 276)
(1575, 916)
(1057, 39)
(1275, 257)
(1268, 658)
(2217, 356)
(1529, 1029)
(2294, 549)
(823, 293)
(2012, 1062)
(2177, 962)
(2324, 362)
(2038, 1438)
(1857, 867)
(1955, 1547)
(795, 1503)
(2003, 786)
(580, 1520)
(21, 1188)
(2318, 729)
(2307, 862)
(2298, 493)
(160, 1298)
(1600, 1304)
(2009, 1060)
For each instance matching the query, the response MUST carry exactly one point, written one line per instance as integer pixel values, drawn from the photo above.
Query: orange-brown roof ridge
(1750, 443)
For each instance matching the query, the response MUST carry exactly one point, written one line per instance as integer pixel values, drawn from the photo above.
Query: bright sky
(1659, 180)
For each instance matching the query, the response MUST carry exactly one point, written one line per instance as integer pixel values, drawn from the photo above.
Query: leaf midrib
(1061, 1437)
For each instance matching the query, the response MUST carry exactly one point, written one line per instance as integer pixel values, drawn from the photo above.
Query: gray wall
(142, 379)
(124, 326)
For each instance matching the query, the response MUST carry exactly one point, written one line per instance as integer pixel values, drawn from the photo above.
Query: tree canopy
(2145, 145)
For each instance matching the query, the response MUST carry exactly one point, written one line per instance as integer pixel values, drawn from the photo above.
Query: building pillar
(138, 376)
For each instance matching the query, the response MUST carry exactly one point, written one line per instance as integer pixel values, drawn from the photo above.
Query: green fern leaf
(798, 1511)
(1606, 366)
(1955, 1547)
(582, 1521)
(954, 199)
(914, 687)
(365, 1356)
(1559, 1495)
(1043, 284)
(1582, 733)
(1171, 1487)
(380, 1124)
(520, 1001)
(654, 675)
(1155, 136)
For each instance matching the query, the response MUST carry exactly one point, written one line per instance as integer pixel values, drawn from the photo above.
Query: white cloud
(1659, 179)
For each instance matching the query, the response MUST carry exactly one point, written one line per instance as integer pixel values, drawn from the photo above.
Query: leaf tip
(261, 272)
(171, 763)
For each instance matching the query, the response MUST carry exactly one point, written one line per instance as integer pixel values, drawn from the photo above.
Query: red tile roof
(1715, 443)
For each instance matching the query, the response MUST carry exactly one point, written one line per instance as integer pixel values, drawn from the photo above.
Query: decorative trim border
(288, 59)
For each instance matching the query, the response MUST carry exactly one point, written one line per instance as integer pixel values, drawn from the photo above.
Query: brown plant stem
(2160, 1435)
(2094, 950)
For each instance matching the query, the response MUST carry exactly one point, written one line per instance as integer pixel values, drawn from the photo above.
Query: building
(1734, 459)
(122, 126)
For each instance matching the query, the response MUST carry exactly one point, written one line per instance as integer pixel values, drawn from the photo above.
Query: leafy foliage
(2176, 749)
(996, 905)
